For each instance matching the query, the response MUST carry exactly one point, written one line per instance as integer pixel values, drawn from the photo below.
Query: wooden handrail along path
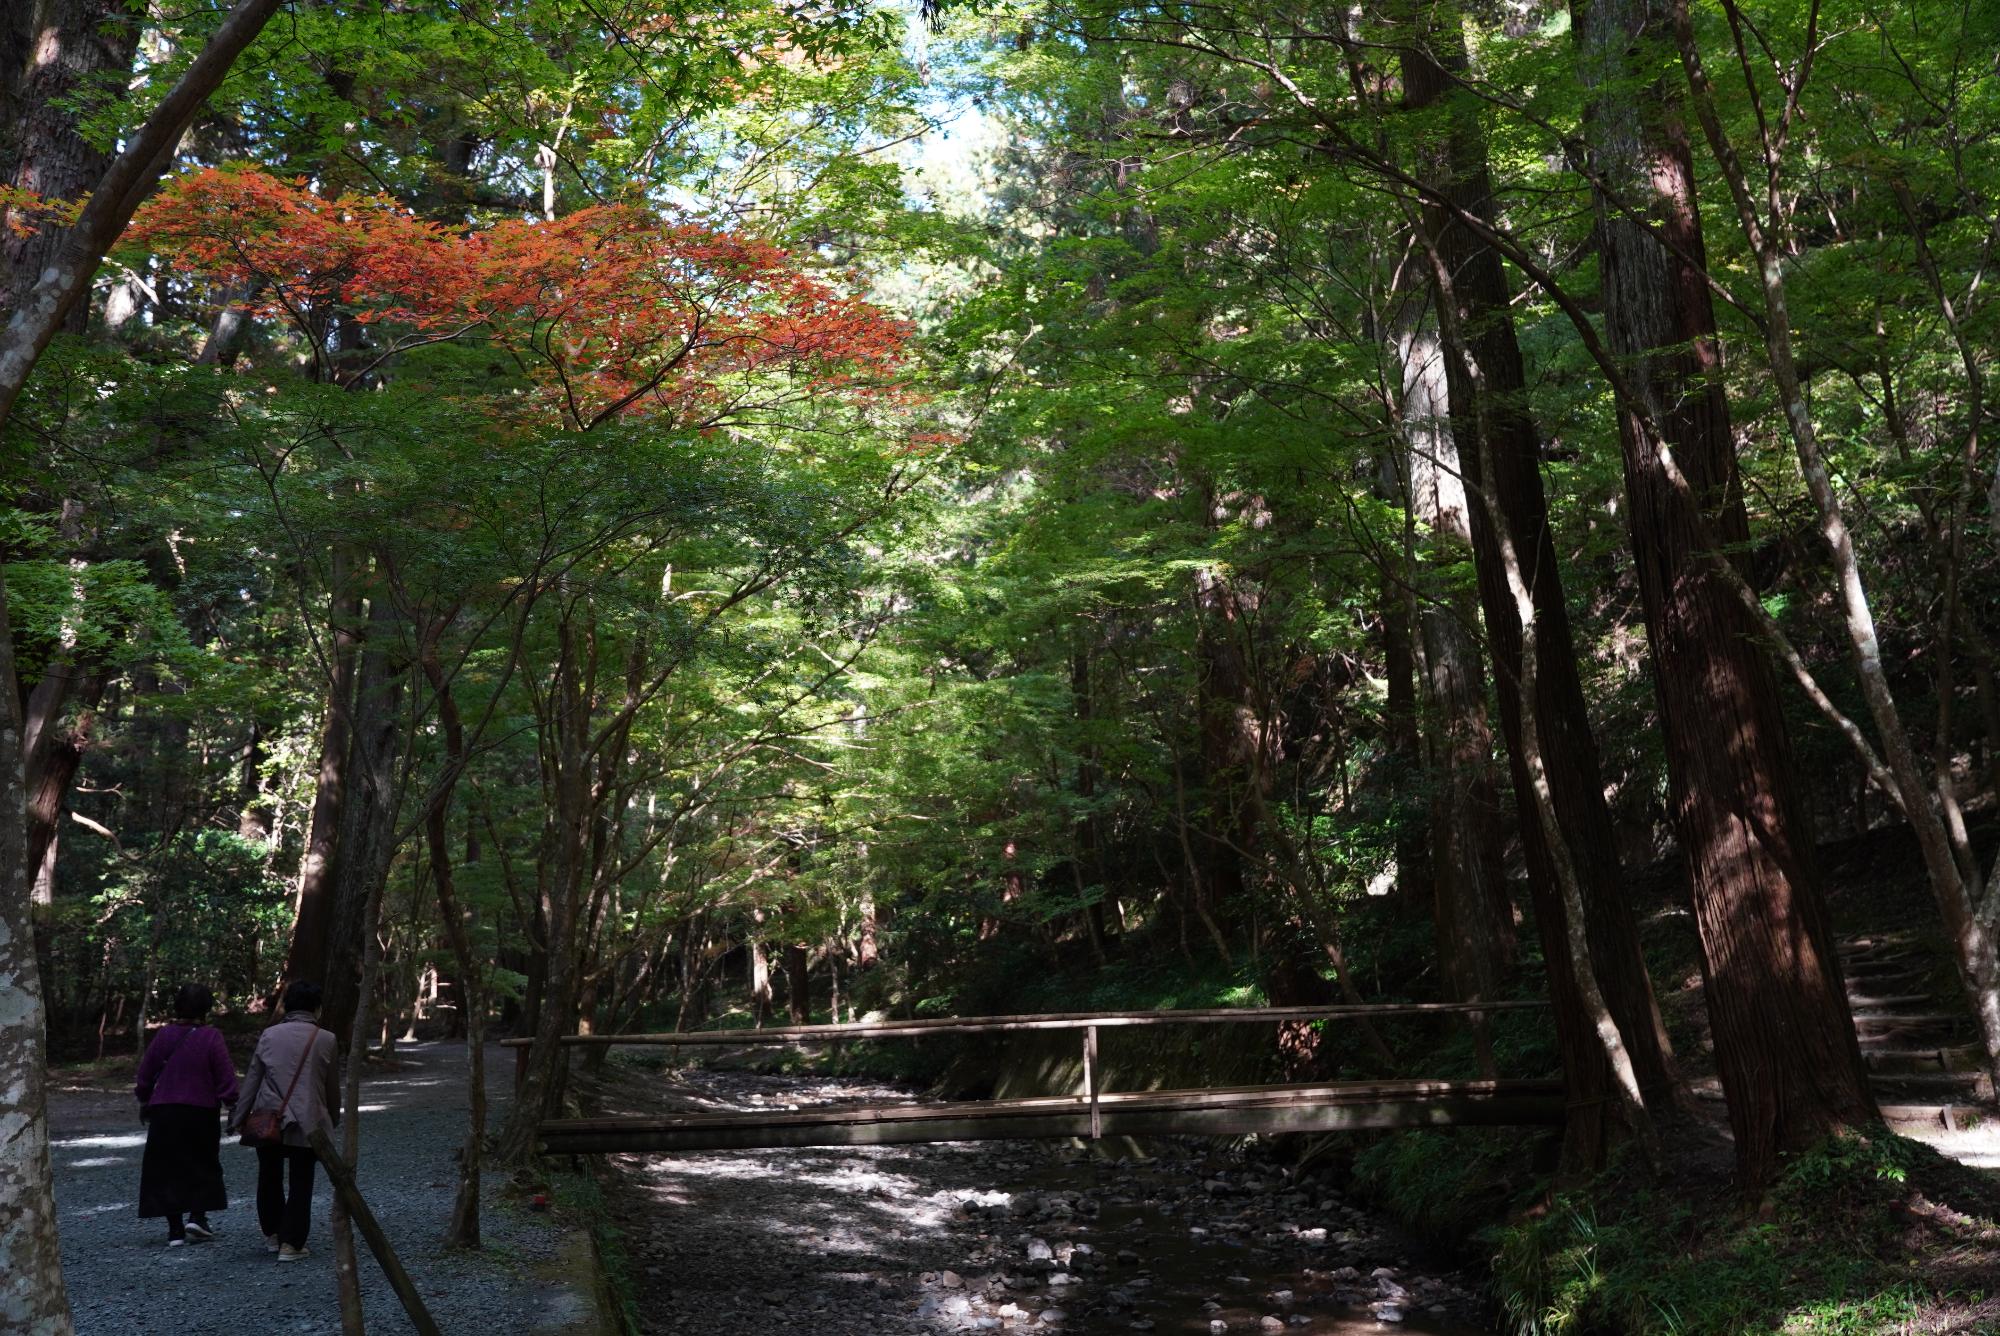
(1093, 1113)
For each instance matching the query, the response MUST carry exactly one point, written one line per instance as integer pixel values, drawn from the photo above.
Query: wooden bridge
(1232, 1111)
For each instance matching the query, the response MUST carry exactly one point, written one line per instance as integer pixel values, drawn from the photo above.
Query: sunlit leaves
(611, 309)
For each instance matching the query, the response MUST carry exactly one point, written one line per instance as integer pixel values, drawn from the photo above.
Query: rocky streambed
(1001, 1236)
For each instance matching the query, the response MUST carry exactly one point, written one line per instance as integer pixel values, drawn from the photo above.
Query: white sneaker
(290, 1254)
(177, 1243)
(198, 1233)
(270, 1243)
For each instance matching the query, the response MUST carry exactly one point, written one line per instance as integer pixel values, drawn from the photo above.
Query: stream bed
(999, 1236)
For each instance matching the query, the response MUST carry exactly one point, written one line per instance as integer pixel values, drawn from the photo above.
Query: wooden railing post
(364, 1219)
(1090, 1079)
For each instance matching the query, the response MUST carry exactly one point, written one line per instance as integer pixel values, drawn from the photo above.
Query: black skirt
(182, 1169)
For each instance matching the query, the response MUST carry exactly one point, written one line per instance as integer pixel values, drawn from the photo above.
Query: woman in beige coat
(297, 1069)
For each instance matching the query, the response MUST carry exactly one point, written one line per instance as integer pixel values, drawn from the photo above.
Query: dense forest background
(559, 518)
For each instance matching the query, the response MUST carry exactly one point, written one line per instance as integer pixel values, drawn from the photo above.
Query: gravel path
(925, 1240)
(123, 1280)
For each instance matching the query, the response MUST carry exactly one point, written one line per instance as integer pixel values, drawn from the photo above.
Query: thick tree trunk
(1481, 321)
(79, 249)
(32, 1298)
(1784, 1041)
(319, 869)
(346, 1258)
(78, 54)
(255, 818)
(33, 1301)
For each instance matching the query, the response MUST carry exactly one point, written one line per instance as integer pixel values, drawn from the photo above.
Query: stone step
(1908, 1020)
(1877, 950)
(1881, 979)
(1904, 1061)
(1882, 959)
(1969, 1087)
(1857, 1002)
(1921, 1116)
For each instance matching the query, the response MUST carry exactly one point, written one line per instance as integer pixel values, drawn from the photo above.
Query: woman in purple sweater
(185, 1077)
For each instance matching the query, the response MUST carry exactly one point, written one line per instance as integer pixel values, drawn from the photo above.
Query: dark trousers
(285, 1209)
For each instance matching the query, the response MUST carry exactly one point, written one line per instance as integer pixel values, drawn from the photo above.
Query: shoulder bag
(266, 1127)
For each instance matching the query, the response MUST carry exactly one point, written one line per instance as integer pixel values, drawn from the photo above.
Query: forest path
(1023, 1237)
(123, 1280)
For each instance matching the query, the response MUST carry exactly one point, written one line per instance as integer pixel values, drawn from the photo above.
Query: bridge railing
(1088, 1022)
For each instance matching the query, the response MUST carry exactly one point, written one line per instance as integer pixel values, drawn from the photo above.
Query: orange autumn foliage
(611, 310)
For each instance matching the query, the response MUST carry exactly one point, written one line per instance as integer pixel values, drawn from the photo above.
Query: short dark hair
(192, 1001)
(302, 995)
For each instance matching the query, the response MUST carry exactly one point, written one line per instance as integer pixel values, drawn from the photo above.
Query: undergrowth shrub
(1842, 1246)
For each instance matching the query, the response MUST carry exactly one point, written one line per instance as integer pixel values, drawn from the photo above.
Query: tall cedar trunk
(1400, 739)
(798, 983)
(318, 869)
(368, 816)
(77, 53)
(867, 950)
(1784, 1041)
(1471, 912)
(1971, 915)
(33, 1301)
(1482, 318)
(760, 982)
(54, 754)
(1230, 745)
(56, 720)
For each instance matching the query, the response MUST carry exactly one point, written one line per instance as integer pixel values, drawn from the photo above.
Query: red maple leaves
(610, 310)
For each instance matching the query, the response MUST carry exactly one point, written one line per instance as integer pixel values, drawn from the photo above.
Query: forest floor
(920, 1239)
(531, 1278)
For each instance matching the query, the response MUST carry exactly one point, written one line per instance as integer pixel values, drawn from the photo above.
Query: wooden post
(342, 1177)
(520, 1069)
(1090, 1079)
